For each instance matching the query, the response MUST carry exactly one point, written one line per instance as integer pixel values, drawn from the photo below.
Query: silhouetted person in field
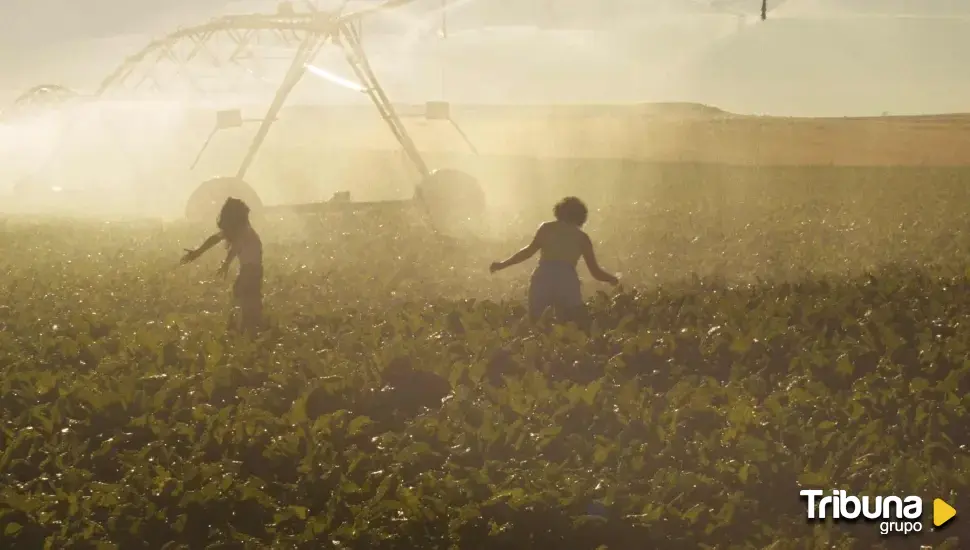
(244, 243)
(560, 243)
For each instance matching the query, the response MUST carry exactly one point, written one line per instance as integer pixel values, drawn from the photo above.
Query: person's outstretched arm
(192, 255)
(520, 256)
(594, 267)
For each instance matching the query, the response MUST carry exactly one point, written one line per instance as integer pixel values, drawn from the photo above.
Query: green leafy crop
(398, 399)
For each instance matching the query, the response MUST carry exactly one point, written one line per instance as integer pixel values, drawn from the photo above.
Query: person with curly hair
(560, 243)
(243, 243)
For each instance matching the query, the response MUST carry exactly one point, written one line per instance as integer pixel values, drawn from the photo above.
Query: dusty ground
(527, 155)
(675, 133)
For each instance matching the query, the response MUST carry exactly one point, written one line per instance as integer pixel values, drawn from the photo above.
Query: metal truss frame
(239, 43)
(236, 44)
(44, 95)
(241, 38)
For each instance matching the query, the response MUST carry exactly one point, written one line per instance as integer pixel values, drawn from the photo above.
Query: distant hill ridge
(666, 132)
(684, 110)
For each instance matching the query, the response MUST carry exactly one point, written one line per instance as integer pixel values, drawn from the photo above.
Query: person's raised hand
(190, 256)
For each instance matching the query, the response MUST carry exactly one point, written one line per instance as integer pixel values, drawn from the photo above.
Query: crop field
(684, 132)
(788, 336)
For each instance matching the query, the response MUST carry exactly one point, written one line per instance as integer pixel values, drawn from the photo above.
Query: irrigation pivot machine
(452, 200)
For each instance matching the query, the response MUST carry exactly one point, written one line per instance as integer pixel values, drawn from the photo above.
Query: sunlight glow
(340, 81)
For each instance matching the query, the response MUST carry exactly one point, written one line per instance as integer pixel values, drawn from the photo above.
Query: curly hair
(233, 217)
(571, 210)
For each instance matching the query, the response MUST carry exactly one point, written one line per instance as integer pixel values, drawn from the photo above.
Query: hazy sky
(812, 57)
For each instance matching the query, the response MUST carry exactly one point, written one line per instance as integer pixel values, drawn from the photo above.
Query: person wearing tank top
(243, 243)
(560, 244)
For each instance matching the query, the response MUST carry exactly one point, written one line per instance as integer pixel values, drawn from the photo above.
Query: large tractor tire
(206, 201)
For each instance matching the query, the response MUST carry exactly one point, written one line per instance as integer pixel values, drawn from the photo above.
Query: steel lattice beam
(234, 42)
(311, 30)
(227, 43)
(50, 92)
(43, 96)
(236, 45)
